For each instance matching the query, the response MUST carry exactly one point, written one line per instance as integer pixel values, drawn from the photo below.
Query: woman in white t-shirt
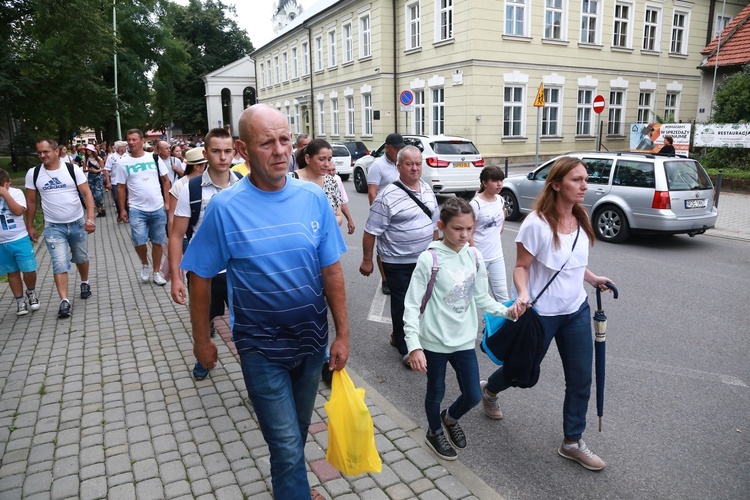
(489, 212)
(556, 237)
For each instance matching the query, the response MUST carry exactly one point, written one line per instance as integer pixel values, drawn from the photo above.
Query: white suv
(630, 192)
(449, 164)
(342, 159)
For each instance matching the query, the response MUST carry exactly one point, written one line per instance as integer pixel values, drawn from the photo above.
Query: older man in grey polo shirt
(403, 217)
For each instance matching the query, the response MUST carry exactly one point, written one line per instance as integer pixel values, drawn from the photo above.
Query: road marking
(377, 308)
(681, 372)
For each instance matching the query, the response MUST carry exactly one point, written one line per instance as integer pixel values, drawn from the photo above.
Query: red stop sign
(598, 104)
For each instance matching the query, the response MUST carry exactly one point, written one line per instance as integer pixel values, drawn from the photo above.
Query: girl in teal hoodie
(447, 330)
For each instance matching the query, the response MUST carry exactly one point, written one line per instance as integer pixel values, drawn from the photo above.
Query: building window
(513, 111)
(305, 59)
(413, 28)
(276, 70)
(515, 15)
(350, 116)
(285, 66)
(679, 33)
(419, 112)
(335, 117)
(551, 112)
(295, 62)
(226, 106)
(248, 97)
(616, 112)
(621, 26)
(262, 74)
(553, 19)
(644, 107)
(288, 113)
(332, 49)
(438, 111)
(584, 112)
(721, 23)
(348, 43)
(671, 105)
(590, 21)
(319, 54)
(651, 30)
(268, 70)
(444, 20)
(321, 118)
(367, 114)
(297, 118)
(364, 36)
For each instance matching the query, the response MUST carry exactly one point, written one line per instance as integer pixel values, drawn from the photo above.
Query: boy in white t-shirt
(16, 251)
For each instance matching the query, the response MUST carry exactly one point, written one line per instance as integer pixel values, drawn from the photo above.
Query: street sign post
(598, 108)
(538, 104)
(406, 101)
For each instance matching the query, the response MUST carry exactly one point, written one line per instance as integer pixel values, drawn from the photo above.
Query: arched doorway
(226, 107)
(248, 97)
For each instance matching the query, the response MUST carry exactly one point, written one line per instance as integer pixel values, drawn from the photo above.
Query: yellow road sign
(539, 101)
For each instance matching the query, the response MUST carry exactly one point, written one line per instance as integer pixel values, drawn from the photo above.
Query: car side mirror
(530, 176)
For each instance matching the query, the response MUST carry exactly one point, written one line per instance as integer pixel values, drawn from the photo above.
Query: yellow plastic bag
(351, 436)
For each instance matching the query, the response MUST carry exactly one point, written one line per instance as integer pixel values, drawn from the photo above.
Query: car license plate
(462, 165)
(695, 203)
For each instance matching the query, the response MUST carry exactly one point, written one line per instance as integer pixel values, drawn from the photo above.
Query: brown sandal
(314, 495)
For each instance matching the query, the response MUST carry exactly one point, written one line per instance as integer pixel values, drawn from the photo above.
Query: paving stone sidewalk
(103, 405)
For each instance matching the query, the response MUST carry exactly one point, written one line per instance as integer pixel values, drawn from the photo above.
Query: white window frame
(552, 112)
(347, 43)
(514, 106)
(622, 25)
(367, 114)
(285, 66)
(616, 114)
(412, 14)
(721, 23)
(365, 36)
(334, 116)
(671, 106)
(332, 48)
(557, 14)
(678, 42)
(319, 53)
(288, 113)
(437, 110)
(645, 107)
(419, 112)
(350, 118)
(443, 20)
(321, 118)
(276, 70)
(516, 11)
(262, 73)
(295, 63)
(585, 112)
(269, 72)
(589, 17)
(305, 59)
(651, 30)
(297, 118)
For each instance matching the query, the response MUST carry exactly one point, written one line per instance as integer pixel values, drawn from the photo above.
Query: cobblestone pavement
(734, 217)
(103, 405)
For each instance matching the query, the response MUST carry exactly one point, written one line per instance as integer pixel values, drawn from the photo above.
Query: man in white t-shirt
(120, 149)
(65, 228)
(172, 164)
(147, 187)
(216, 177)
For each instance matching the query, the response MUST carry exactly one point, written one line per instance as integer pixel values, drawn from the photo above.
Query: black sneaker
(440, 445)
(23, 309)
(213, 330)
(85, 291)
(455, 433)
(33, 300)
(64, 310)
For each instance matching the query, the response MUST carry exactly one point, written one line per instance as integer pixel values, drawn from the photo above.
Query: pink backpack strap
(431, 283)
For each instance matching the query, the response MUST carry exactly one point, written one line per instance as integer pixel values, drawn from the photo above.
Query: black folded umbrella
(600, 329)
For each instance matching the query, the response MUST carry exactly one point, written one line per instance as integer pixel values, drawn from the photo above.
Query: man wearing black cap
(381, 173)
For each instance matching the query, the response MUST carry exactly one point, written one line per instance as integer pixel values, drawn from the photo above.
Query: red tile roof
(735, 43)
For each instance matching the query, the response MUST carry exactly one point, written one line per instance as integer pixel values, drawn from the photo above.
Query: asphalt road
(677, 406)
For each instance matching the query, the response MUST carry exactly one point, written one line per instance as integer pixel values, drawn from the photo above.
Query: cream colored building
(475, 66)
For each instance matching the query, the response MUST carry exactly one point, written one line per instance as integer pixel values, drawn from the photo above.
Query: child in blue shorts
(16, 251)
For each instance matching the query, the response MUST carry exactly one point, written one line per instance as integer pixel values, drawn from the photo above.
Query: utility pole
(117, 95)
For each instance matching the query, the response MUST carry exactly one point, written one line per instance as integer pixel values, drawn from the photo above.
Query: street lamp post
(117, 95)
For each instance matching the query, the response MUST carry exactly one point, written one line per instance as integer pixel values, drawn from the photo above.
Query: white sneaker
(159, 279)
(144, 274)
(583, 455)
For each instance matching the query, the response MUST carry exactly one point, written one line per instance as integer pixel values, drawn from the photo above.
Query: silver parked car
(630, 193)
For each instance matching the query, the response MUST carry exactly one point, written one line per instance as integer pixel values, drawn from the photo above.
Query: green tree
(732, 99)
(211, 41)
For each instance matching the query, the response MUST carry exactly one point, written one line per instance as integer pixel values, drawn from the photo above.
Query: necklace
(570, 224)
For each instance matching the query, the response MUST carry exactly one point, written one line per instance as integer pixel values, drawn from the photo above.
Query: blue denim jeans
(96, 183)
(283, 396)
(62, 239)
(148, 226)
(398, 277)
(572, 334)
(465, 365)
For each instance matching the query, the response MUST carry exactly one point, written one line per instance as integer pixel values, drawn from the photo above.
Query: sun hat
(91, 147)
(195, 156)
